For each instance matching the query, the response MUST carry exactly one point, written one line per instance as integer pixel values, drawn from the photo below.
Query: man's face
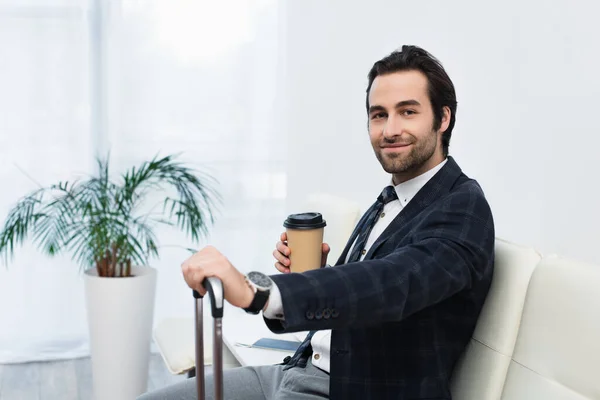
(401, 125)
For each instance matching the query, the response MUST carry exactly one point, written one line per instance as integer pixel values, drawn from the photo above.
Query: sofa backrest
(557, 354)
(341, 216)
(481, 372)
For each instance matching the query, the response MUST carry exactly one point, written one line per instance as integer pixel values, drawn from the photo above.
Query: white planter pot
(120, 313)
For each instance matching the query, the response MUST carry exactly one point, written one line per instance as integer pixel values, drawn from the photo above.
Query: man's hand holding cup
(302, 244)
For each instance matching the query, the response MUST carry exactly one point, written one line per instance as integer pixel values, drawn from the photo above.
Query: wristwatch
(262, 285)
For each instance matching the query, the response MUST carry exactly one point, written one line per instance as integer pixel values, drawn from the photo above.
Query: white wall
(528, 87)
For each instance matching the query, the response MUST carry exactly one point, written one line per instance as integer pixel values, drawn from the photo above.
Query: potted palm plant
(109, 227)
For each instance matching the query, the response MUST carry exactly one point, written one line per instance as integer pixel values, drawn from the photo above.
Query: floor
(66, 380)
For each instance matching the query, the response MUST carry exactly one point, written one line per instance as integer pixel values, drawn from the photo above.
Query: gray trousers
(255, 383)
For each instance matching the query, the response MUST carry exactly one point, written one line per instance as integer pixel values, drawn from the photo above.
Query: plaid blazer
(401, 317)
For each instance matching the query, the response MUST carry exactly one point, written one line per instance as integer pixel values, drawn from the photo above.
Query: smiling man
(393, 315)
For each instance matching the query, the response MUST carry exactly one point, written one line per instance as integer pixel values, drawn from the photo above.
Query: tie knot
(388, 194)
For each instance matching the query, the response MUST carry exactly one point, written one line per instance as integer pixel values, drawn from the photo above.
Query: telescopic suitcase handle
(214, 287)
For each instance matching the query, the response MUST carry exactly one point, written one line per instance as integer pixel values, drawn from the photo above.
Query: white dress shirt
(321, 341)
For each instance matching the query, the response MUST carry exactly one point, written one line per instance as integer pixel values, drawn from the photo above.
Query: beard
(420, 152)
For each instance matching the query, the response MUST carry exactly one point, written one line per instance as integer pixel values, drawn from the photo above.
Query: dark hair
(441, 89)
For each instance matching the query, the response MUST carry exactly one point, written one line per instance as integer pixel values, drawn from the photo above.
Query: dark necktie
(388, 194)
(370, 219)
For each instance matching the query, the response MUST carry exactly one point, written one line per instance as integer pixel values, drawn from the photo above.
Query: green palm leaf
(99, 221)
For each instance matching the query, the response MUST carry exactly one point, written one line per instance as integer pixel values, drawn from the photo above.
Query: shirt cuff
(274, 309)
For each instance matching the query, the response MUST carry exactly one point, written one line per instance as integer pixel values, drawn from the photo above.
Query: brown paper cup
(305, 240)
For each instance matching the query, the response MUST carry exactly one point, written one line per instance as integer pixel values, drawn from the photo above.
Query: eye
(408, 112)
(378, 115)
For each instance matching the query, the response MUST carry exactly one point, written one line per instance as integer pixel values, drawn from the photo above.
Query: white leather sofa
(538, 336)
(481, 373)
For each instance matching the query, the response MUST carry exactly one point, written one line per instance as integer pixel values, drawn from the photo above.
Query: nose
(392, 127)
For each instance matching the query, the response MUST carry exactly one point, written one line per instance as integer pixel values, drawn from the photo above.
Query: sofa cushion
(557, 353)
(480, 373)
(341, 215)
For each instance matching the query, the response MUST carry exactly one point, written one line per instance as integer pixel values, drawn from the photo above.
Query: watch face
(260, 280)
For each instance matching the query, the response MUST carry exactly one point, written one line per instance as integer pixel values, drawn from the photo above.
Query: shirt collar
(407, 190)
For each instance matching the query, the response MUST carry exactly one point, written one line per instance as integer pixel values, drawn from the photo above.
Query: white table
(242, 328)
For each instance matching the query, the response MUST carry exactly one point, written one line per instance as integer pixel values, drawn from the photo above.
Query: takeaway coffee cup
(305, 240)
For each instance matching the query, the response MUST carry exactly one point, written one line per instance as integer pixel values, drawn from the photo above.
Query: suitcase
(214, 288)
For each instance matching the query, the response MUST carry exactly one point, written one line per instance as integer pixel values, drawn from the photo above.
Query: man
(391, 318)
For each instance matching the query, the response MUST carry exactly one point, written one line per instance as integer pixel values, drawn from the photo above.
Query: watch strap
(259, 301)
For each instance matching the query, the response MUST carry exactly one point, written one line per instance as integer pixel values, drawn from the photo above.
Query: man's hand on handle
(282, 253)
(210, 262)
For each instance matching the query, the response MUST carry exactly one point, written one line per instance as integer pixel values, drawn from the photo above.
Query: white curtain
(136, 78)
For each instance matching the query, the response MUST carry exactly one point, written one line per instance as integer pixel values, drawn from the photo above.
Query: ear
(445, 119)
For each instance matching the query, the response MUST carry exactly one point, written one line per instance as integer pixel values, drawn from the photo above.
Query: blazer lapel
(437, 186)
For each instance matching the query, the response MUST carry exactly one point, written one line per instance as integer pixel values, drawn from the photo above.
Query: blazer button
(326, 313)
(310, 315)
(335, 313)
(318, 314)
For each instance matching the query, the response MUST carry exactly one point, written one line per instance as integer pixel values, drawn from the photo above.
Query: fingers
(283, 249)
(325, 249)
(281, 268)
(283, 262)
(194, 276)
(198, 285)
(199, 267)
(281, 258)
(281, 254)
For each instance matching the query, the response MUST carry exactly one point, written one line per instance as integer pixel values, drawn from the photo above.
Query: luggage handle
(214, 287)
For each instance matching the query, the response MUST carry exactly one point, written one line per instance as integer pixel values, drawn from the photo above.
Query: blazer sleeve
(451, 248)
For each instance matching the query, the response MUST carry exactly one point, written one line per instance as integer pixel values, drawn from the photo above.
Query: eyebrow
(403, 103)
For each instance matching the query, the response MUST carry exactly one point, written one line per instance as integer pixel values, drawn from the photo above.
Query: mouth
(395, 148)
